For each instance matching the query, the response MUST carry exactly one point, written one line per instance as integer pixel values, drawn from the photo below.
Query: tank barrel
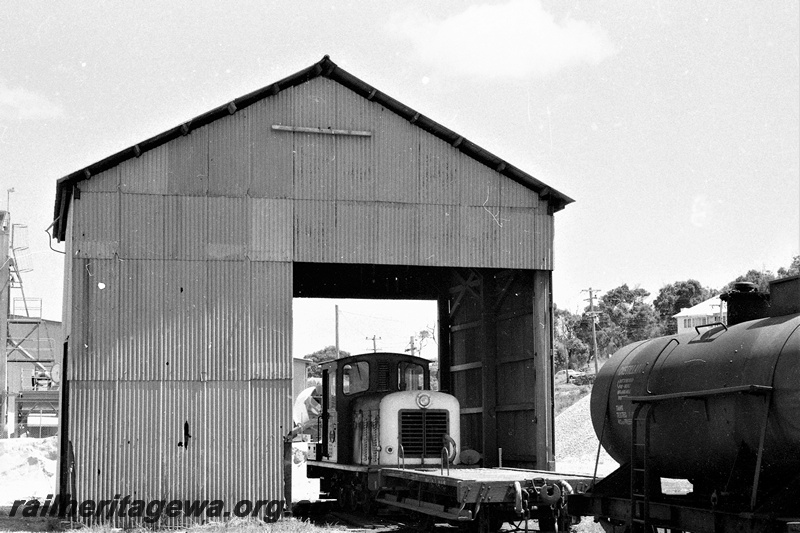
(730, 397)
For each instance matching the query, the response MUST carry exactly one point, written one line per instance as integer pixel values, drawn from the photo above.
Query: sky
(674, 125)
(365, 326)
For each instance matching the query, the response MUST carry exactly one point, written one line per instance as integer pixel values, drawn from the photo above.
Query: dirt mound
(27, 468)
(576, 442)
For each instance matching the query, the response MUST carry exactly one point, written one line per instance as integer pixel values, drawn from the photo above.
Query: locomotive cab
(378, 409)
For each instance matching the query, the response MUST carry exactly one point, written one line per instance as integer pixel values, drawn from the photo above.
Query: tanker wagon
(719, 407)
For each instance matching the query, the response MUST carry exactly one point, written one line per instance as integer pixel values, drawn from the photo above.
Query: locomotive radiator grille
(421, 432)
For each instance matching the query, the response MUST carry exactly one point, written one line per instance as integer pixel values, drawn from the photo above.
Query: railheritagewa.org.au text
(149, 511)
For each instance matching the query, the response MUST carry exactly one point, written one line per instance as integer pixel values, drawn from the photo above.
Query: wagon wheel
(546, 518)
(609, 527)
(351, 499)
(483, 523)
(470, 527)
(563, 520)
(364, 501)
(424, 522)
(341, 497)
(495, 523)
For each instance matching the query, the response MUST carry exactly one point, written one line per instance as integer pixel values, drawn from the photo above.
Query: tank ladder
(640, 474)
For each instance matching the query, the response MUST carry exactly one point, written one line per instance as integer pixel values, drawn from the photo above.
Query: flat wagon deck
(459, 493)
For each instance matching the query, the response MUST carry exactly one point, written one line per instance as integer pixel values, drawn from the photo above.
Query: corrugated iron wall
(185, 320)
(397, 196)
(180, 324)
(180, 278)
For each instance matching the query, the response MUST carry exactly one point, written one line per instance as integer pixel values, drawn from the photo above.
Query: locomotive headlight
(424, 400)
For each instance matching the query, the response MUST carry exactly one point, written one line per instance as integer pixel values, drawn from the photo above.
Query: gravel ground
(576, 442)
(576, 450)
(27, 468)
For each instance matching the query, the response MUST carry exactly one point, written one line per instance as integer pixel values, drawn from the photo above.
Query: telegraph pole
(374, 340)
(593, 315)
(411, 347)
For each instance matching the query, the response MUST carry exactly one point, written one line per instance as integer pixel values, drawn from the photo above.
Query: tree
(571, 352)
(627, 310)
(760, 278)
(561, 355)
(577, 352)
(680, 295)
(423, 338)
(321, 356)
(793, 270)
(623, 294)
(622, 317)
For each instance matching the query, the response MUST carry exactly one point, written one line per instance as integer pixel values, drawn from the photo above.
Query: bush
(585, 379)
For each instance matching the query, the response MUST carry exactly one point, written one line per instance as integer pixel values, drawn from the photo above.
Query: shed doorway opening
(361, 326)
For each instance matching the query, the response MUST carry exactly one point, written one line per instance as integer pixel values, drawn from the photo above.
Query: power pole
(374, 340)
(593, 315)
(411, 347)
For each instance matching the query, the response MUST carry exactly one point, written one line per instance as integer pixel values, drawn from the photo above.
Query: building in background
(34, 347)
(29, 370)
(710, 311)
(300, 375)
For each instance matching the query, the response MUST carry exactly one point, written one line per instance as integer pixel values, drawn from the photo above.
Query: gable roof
(327, 69)
(705, 308)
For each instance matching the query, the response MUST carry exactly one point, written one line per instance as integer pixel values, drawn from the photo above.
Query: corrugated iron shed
(184, 253)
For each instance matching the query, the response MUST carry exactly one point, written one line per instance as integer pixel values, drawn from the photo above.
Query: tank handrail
(747, 389)
(697, 328)
(401, 454)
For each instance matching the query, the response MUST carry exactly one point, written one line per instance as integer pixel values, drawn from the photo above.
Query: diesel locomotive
(383, 437)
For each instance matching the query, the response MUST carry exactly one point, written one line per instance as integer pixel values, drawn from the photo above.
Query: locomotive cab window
(410, 376)
(330, 389)
(355, 377)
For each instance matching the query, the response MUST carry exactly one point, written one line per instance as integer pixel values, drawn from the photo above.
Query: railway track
(396, 523)
(354, 522)
(376, 524)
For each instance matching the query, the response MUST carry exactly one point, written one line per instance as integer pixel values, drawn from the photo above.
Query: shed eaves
(325, 68)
